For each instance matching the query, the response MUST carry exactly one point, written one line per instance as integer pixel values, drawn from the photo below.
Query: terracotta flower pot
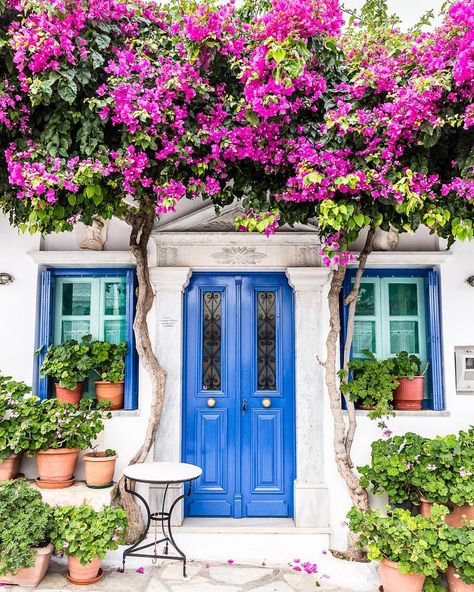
(110, 391)
(99, 469)
(394, 581)
(455, 584)
(426, 508)
(10, 467)
(459, 515)
(57, 465)
(65, 395)
(409, 394)
(31, 576)
(83, 573)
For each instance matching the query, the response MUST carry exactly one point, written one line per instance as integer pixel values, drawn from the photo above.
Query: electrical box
(464, 368)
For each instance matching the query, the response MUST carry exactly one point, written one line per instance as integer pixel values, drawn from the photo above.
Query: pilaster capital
(307, 279)
(170, 279)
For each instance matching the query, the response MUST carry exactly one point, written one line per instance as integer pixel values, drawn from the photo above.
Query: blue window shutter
(434, 323)
(131, 359)
(44, 331)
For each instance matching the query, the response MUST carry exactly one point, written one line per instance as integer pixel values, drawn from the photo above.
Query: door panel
(239, 394)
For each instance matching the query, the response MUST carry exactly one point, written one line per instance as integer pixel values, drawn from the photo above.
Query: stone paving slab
(168, 577)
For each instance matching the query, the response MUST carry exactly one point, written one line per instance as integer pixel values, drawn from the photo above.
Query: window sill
(422, 413)
(126, 413)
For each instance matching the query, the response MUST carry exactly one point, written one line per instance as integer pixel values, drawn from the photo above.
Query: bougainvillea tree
(124, 107)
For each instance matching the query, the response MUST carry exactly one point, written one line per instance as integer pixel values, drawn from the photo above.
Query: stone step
(76, 495)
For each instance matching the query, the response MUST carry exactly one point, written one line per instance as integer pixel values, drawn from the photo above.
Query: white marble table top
(162, 472)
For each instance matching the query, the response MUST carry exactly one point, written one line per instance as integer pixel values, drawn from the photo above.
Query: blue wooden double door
(238, 408)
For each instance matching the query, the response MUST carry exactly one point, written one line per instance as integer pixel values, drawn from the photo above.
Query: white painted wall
(409, 11)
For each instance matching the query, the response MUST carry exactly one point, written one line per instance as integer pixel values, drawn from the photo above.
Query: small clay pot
(409, 394)
(455, 584)
(99, 469)
(394, 581)
(459, 515)
(65, 395)
(110, 391)
(83, 573)
(10, 467)
(426, 508)
(31, 576)
(57, 465)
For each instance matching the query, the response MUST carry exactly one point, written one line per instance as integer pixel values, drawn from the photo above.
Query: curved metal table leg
(130, 550)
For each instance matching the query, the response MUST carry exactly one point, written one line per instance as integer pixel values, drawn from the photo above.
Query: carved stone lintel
(239, 256)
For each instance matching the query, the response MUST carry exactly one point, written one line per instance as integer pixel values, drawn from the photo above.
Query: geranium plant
(68, 363)
(406, 365)
(371, 384)
(63, 425)
(84, 533)
(461, 485)
(25, 522)
(460, 552)
(416, 543)
(109, 360)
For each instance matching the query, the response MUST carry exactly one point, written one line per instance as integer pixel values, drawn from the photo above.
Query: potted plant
(68, 364)
(461, 485)
(109, 365)
(14, 400)
(58, 431)
(85, 536)
(460, 556)
(99, 468)
(25, 525)
(371, 385)
(410, 392)
(409, 548)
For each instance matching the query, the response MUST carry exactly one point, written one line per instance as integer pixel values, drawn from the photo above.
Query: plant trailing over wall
(84, 533)
(61, 425)
(16, 404)
(108, 360)
(371, 384)
(25, 522)
(416, 543)
(68, 363)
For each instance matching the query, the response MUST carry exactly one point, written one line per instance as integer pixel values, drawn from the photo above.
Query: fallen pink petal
(140, 570)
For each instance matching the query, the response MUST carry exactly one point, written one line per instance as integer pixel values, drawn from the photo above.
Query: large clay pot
(83, 573)
(110, 391)
(409, 394)
(99, 469)
(31, 576)
(455, 584)
(394, 581)
(57, 465)
(459, 515)
(10, 467)
(65, 395)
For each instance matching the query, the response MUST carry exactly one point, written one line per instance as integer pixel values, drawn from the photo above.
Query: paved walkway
(202, 577)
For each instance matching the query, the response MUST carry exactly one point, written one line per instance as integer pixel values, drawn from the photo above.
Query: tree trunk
(142, 226)
(344, 434)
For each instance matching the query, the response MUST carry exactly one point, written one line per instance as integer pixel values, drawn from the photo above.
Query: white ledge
(83, 258)
(422, 413)
(406, 258)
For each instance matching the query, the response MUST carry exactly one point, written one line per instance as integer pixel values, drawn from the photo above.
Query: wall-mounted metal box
(464, 356)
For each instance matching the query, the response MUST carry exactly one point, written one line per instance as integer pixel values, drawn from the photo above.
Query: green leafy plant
(15, 404)
(25, 522)
(461, 485)
(371, 384)
(68, 363)
(416, 543)
(406, 365)
(108, 360)
(460, 551)
(393, 462)
(84, 533)
(62, 425)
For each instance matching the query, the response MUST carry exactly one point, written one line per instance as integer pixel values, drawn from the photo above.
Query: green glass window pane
(74, 330)
(115, 298)
(76, 299)
(114, 331)
(366, 300)
(404, 337)
(403, 299)
(364, 337)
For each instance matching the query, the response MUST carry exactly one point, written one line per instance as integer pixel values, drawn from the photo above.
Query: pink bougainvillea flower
(140, 570)
(230, 561)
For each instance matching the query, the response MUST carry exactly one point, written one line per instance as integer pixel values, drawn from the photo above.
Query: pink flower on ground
(230, 561)
(140, 570)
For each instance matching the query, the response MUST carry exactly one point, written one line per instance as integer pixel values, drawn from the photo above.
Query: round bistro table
(159, 473)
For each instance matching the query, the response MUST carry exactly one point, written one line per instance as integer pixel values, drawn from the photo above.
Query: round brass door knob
(267, 403)
(211, 402)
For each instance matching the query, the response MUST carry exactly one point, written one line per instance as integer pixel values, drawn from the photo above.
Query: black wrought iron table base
(164, 519)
